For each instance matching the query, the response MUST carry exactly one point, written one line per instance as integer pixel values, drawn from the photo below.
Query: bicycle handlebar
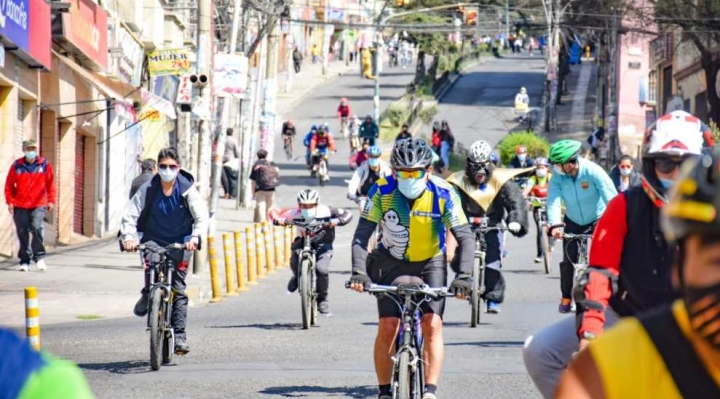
(539, 199)
(572, 236)
(157, 248)
(481, 223)
(413, 289)
(303, 224)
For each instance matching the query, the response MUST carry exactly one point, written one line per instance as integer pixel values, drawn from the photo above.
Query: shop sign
(184, 91)
(150, 115)
(169, 62)
(230, 73)
(126, 63)
(26, 23)
(85, 27)
(165, 87)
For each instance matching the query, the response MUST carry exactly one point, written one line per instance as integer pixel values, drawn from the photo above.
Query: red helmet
(343, 100)
(521, 149)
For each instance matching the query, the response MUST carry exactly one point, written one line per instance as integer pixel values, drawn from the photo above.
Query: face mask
(667, 183)
(373, 162)
(522, 157)
(625, 172)
(30, 155)
(308, 213)
(559, 170)
(167, 175)
(541, 172)
(411, 188)
(701, 318)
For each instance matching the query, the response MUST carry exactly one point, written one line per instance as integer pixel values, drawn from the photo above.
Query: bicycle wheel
(157, 324)
(403, 378)
(305, 293)
(168, 347)
(475, 294)
(546, 254)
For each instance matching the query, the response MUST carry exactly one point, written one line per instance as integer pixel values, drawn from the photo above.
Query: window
(701, 106)
(652, 88)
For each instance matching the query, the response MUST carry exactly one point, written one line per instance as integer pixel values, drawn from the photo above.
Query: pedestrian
(404, 133)
(315, 53)
(229, 173)
(624, 175)
(265, 177)
(147, 171)
(29, 191)
(297, 59)
(447, 142)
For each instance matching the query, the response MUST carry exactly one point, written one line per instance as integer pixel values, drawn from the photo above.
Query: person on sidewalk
(265, 177)
(297, 59)
(624, 175)
(147, 171)
(309, 209)
(229, 173)
(404, 134)
(447, 142)
(29, 190)
(369, 130)
(315, 53)
(167, 210)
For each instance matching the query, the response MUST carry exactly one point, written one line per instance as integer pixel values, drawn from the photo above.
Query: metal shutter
(79, 183)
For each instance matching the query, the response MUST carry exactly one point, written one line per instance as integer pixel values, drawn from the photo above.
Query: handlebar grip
(347, 284)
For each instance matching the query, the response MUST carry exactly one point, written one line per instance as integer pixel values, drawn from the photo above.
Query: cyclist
(673, 351)
(369, 130)
(30, 374)
(521, 160)
(320, 144)
(288, 134)
(343, 112)
(522, 102)
(167, 209)
(486, 191)
(415, 208)
(404, 133)
(628, 244)
(306, 142)
(585, 189)
(355, 123)
(309, 209)
(367, 174)
(537, 186)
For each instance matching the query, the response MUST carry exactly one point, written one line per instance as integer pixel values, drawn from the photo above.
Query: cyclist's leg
(570, 255)
(494, 280)
(322, 271)
(294, 257)
(536, 216)
(435, 275)
(549, 351)
(180, 299)
(383, 269)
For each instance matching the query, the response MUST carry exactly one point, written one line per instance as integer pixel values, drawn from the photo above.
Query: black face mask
(703, 306)
(479, 173)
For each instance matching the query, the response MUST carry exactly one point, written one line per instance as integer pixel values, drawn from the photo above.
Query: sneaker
(41, 265)
(538, 260)
(181, 348)
(324, 307)
(428, 395)
(493, 307)
(24, 267)
(565, 306)
(292, 284)
(141, 307)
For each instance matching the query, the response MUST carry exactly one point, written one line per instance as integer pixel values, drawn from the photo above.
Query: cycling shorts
(383, 269)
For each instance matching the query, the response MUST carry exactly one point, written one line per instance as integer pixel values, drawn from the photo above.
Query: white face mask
(559, 170)
(625, 172)
(411, 188)
(541, 172)
(522, 157)
(167, 175)
(308, 213)
(374, 162)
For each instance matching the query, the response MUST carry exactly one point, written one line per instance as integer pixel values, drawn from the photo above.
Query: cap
(29, 143)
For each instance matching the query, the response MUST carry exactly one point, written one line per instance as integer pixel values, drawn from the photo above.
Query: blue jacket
(307, 139)
(585, 196)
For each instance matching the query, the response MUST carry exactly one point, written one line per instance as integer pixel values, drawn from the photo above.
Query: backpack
(267, 176)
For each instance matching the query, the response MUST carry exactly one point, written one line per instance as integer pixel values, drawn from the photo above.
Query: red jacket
(30, 185)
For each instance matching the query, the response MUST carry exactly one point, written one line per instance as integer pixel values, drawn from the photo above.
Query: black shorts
(383, 269)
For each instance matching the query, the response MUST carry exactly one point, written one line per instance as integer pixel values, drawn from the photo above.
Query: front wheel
(403, 377)
(475, 293)
(306, 293)
(157, 333)
(545, 246)
(168, 347)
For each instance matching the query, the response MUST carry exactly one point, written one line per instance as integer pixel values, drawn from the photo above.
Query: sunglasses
(164, 166)
(411, 174)
(667, 165)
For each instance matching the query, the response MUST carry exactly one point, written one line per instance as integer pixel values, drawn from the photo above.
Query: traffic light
(399, 3)
(460, 13)
(471, 17)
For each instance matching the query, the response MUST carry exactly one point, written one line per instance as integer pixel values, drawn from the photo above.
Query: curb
(62, 249)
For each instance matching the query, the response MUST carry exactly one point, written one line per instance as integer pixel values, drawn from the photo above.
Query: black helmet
(695, 200)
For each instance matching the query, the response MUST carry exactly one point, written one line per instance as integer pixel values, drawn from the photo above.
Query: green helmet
(564, 151)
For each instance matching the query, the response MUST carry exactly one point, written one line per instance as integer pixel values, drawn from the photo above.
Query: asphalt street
(252, 346)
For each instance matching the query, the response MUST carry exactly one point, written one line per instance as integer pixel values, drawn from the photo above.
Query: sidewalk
(575, 115)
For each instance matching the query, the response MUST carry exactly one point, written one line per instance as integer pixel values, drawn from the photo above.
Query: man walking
(147, 171)
(29, 190)
(229, 172)
(265, 178)
(297, 59)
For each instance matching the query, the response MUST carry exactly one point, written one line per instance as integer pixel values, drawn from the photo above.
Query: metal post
(267, 130)
(507, 21)
(378, 60)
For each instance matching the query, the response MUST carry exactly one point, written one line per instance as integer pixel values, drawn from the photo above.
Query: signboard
(26, 23)
(169, 62)
(657, 50)
(336, 14)
(86, 28)
(165, 87)
(150, 115)
(230, 73)
(127, 64)
(184, 95)
(164, 106)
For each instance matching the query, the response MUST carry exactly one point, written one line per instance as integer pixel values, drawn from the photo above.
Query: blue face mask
(411, 188)
(30, 155)
(308, 213)
(374, 162)
(667, 183)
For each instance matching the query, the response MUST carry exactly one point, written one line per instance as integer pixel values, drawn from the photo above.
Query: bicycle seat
(408, 280)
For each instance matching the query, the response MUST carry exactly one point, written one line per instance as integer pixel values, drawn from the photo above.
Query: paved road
(252, 346)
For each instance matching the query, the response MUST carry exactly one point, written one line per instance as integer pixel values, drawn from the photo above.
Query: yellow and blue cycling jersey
(416, 233)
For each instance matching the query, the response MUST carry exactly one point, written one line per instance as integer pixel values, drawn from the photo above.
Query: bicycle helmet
(308, 196)
(523, 90)
(494, 159)
(410, 154)
(374, 151)
(521, 149)
(321, 129)
(313, 128)
(541, 161)
(480, 152)
(565, 151)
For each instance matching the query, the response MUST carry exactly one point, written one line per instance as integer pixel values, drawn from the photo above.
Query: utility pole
(613, 97)
(204, 142)
(507, 21)
(267, 128)
(325, 41)
(378, 62)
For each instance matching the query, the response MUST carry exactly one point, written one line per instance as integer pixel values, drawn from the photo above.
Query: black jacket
(615, 176)
(137, 182)
(515, 163)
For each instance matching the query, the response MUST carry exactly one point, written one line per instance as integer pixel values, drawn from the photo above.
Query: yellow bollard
(288, 245)
(587, 51)
(32, 317)
(260, 250)
(270, 257)
(214, 279)
(251, 261)
(229, 282)
(278, 236)
(239, 262)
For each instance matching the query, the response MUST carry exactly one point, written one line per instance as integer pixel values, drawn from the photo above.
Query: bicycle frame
(582, 263)
(161, 279)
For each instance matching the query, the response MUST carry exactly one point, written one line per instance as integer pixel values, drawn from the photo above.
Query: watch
(588, 335)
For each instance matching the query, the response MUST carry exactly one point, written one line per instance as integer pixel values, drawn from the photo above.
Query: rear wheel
(157, 324)
(404, 376)
(545, 246)
(306, 293)
(475, 293)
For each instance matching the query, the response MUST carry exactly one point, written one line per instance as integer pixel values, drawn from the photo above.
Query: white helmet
(480, 152)
(523, 90)
(308, 196)
(675, 134)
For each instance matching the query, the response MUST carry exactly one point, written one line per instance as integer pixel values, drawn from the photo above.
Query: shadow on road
(497, 89)
(445, 324)
(276, 326)
(529, 271)
(315, 391)
(127, 367)
(489, 344)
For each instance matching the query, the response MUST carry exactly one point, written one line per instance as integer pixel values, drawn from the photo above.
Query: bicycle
(288, 146)
(321, 167)
(160, 298)
(344, 126)
(306, 272)
(479, 227)
(540, 213)
(408, 293)
(583, 260)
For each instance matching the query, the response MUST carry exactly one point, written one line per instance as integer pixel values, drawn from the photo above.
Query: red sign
(39, 32)
(86, 27)
(184, 95)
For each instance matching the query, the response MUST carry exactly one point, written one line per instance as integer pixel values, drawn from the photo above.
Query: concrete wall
(631, 114)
